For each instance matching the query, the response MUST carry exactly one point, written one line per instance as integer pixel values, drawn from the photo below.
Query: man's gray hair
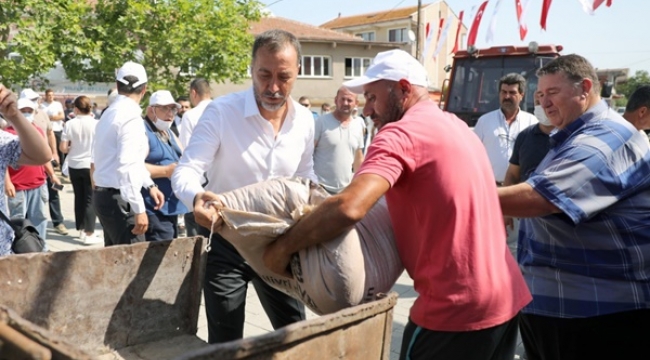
(575, 67)
(275, 40)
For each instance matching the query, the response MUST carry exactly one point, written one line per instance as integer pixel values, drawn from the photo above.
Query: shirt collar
(558, 136)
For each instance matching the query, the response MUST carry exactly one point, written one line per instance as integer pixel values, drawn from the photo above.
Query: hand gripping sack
(346, 271)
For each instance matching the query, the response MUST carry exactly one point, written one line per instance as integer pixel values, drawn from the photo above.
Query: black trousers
(191, 227)
(54, 204)
(115, 216)
(226, 282)
(616, 336)
(84, 213)
(161, 227)
(57, 137)
(495, 343)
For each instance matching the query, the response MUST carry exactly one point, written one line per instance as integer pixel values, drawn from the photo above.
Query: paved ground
(256, 321)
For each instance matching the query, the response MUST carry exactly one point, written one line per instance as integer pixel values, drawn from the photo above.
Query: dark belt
(106, 189)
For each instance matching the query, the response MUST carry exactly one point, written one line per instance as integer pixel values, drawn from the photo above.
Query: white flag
(587, 6)
(493, 23)
(443, 36)
(427, 43)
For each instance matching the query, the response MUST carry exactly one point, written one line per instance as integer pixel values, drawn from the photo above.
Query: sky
(614, 37)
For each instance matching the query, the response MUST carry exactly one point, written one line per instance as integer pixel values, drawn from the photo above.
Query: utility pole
(417, 32)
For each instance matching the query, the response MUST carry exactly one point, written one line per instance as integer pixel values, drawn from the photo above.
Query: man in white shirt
(241, 139)
(498, 129)
(118, 168)
(338, 149)
(200, 97)
(54, 111)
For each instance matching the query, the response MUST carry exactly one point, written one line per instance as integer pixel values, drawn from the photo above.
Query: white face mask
(29, 116)
(163, 125)
(541, 116)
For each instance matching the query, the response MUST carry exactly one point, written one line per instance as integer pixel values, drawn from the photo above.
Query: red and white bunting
(522, 6)
(546, 5)
(442, 36)
(427, 42)
(460, 26)
(587, 6)
(471, 39)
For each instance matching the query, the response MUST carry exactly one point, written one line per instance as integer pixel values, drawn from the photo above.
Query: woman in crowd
(76, 141)
(27, 148)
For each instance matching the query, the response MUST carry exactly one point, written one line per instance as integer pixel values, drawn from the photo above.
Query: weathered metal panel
(109, 298)
(360, 332)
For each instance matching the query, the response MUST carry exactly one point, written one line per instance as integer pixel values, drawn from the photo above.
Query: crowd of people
(572, 278)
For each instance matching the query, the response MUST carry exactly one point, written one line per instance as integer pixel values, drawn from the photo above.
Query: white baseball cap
(131, 68)
(29, 94)
(164, 98)
(26, 103)
(392, 65)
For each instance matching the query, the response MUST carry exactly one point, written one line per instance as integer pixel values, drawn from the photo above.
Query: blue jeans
(31, 204)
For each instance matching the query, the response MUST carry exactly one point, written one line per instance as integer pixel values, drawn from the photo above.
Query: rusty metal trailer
(141, 302)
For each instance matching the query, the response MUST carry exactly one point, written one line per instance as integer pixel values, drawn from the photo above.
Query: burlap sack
(343, 272)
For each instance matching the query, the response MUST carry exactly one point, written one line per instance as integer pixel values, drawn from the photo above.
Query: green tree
(641, 77)
(175, 40)
(27, 39)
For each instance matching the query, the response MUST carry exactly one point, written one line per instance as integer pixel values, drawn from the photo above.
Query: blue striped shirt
(593, 258)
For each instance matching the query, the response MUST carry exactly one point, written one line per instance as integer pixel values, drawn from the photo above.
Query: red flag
(426, 30)
(523, 29)
(597, 3)
(460, 25)
(545, 6)
(473, 32)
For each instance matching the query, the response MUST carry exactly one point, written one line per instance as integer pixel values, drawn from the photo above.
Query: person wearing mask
(25, 147)
(530, 148)
(76, 141)
(25, 186)
(163, 153)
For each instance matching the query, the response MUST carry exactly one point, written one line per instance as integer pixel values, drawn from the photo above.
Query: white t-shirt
(80, 131)
(52, 109)
(499, 138)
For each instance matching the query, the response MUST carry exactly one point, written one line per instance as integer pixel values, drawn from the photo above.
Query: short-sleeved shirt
(52, 109)
(499, 138)
(26, 177)
(80, 131)
(593, 258)
(447, 221)
(334, 152)
(531, 146)
(9, 154)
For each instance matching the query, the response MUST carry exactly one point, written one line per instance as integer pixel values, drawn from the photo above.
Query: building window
(367, 36)
(398, 35)
(355, 67)
(315, 66)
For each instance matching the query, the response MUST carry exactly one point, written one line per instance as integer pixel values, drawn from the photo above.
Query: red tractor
(472, 89)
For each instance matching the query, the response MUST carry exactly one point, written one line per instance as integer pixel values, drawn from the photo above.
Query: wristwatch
(152, 186)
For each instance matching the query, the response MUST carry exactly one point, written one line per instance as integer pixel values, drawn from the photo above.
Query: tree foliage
(27, 32)
(175, 40)
(641, 77)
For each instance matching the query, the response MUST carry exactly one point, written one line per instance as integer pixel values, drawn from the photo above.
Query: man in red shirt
(445, 212)
(25, 187)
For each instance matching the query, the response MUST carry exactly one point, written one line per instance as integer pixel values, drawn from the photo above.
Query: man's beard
(395, 109)
(270, 107)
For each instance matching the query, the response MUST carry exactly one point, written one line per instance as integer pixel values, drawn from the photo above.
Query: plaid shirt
(593, 258)
(9, 154)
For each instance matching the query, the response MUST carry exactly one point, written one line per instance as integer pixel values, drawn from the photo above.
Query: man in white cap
(118, 168)
(42, 121)
(445, 212)
(163, 153)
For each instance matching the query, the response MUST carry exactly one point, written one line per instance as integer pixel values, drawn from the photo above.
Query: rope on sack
(213, 220)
